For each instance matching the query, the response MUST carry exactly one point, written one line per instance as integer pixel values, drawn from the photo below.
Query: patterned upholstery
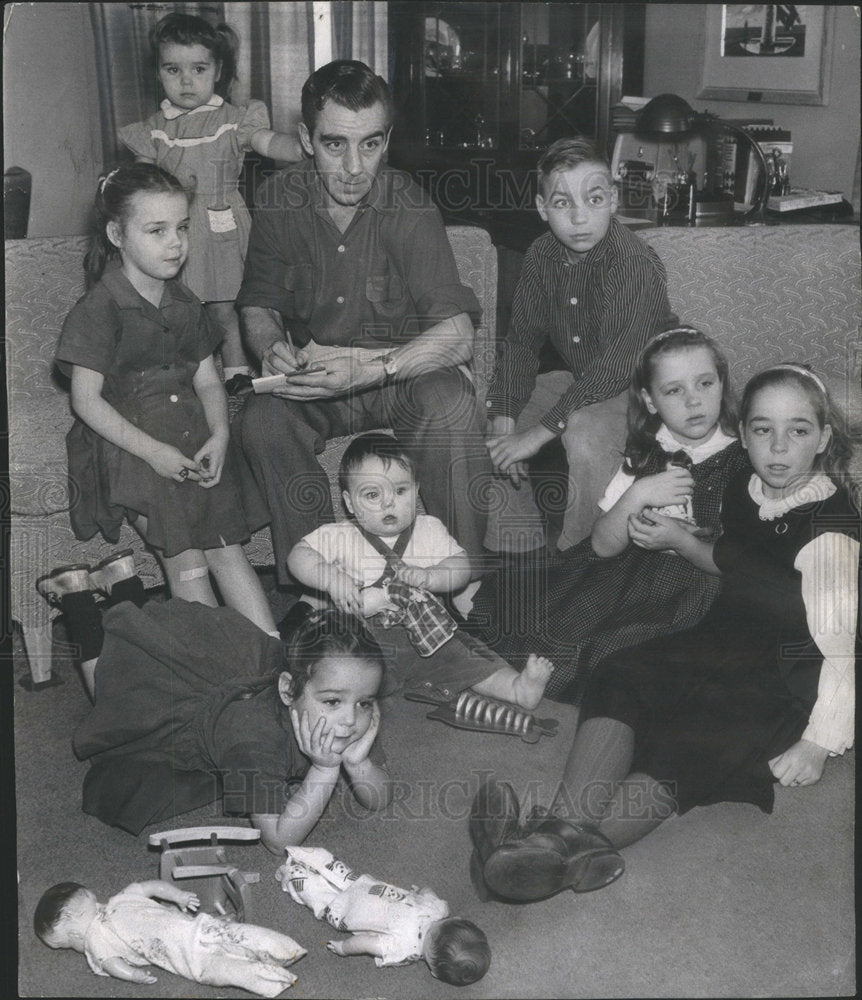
(44, 278)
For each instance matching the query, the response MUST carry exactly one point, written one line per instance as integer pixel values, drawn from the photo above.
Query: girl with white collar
(762, 690)
(202, 139)
(614, 589)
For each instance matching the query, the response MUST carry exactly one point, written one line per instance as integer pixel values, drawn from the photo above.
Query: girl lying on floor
(192, 702)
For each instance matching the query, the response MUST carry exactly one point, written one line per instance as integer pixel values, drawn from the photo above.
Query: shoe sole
(527, 873)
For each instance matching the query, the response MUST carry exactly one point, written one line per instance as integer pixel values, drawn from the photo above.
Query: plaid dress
(576, 607)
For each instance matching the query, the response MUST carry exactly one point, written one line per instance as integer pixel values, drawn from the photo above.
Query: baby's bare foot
(530, 684)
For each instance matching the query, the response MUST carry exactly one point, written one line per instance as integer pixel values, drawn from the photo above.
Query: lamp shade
(665, 116)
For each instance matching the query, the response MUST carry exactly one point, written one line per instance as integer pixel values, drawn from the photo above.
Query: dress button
(342, 248)
(576, 339)
(187, 434)
(340, 300)
(175, 399)
(573, 300)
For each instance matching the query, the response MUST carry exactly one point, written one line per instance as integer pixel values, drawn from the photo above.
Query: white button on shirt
(175, 399)
(342, 248)
(573, 300)
(340, 300)
(576, 339)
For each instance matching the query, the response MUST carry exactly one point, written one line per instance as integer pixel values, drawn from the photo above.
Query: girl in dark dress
(195, 703)
(150, 442)
(762, 690)
(607, 592)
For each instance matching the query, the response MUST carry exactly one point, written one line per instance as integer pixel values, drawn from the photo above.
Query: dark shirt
(114, 330)
(597, 313)
(390, 276)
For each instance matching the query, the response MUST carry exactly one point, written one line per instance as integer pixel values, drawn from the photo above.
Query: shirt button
(488, 403)
(573, 300)
(342, 248)
(187, 434)
(175, 399)
(576, 340)
(340, 300)
(561, 425)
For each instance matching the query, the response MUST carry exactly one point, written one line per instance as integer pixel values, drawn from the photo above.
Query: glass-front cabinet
(484, 87)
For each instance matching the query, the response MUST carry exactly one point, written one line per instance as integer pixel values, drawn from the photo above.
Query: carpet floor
(722, 902)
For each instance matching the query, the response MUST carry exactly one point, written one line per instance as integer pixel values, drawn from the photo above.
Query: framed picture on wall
(775, 53)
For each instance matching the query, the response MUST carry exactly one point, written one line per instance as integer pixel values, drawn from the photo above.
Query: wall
(51, 116)
(825, 139)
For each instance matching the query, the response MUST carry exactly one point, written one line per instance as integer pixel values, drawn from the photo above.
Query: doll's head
(141, 216)
(333, 669)
(193, 59)
(378, 484)
(63, 915)
(680, 380)
(790, 427)
(456, 951)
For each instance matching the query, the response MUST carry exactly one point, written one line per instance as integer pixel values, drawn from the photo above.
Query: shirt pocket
(299, 282)
(385, 291)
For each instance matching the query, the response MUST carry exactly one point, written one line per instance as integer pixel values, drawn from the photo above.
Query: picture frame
(793, 68)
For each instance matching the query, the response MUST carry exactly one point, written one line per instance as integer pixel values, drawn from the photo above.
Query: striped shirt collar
(171, 111)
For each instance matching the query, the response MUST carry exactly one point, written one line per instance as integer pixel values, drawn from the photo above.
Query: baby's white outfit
(203, 948)
(361, 903)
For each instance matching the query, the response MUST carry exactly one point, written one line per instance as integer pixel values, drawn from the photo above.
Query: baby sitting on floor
(396, 926)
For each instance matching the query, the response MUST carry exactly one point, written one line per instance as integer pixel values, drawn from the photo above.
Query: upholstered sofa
(44, 278)
(772, 293)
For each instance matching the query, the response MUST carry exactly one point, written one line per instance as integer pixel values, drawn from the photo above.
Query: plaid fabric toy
(429, 625)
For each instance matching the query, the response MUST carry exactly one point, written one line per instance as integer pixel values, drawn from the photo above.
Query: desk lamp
(669, 118)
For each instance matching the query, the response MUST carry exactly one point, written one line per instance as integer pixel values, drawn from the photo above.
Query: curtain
(281, 44)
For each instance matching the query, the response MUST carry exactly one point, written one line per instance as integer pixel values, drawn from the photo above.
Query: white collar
(697, 452)
(172, 111)
(818, 487)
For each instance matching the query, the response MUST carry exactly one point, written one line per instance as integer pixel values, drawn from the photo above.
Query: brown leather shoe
(555, 855)
(493, 817)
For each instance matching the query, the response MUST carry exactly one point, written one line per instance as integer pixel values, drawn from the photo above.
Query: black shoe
(238, 385)
(493, 817)
(553, 856)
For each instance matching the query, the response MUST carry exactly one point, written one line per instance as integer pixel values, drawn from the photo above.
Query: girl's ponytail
(113, 195)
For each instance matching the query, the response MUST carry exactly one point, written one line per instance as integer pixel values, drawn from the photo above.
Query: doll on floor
(396, 926)
(133, 930)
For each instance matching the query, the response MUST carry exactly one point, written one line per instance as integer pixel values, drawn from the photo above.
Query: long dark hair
(322, 634)
(188, 29)
(643, 425)
(113, 196)
(835, 459)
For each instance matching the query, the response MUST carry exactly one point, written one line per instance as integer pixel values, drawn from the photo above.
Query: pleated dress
(577, 607)
(711, 706)
(148, 357)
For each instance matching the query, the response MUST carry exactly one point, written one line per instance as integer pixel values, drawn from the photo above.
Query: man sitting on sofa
(352, 293)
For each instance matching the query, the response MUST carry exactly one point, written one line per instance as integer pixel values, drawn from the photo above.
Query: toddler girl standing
(606, 593)
(763, 689)
(202, 139)
(150, 439)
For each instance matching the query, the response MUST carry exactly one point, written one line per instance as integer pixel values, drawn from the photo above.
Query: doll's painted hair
(459, 953)
(373, 445)
(566, 154)
(643, 425)
(188, 29)
(347, 82)
(323, 634)
(835, 458)
(113, 198)
(53, 906)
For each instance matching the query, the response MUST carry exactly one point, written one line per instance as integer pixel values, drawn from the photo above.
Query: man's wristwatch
(390, 368)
